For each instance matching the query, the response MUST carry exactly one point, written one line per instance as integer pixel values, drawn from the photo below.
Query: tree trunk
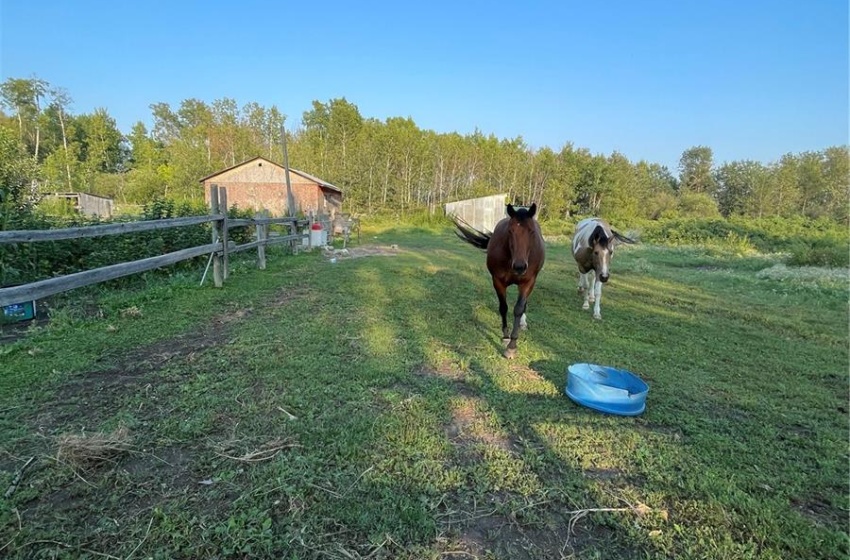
(65, 145)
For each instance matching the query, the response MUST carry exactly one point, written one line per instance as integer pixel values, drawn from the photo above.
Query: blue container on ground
(606, 389)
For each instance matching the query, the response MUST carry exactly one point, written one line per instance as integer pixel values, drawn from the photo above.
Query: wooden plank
(284, 238)
(245, 246)
(44, 288)
(218, 280)
(32, 235)
(261, 246)
(293, 230)
(268, 241)
(240, 222)
(222, 199)
(278, 220)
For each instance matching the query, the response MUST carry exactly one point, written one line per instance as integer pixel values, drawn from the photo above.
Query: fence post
(224, 228)
(261, 241)
(295, 244)
(266, 229)
(218, 280)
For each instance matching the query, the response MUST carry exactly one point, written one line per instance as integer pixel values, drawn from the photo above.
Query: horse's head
(521, 233)
(603, 249)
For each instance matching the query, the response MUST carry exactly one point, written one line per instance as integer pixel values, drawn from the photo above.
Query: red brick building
(260, 184)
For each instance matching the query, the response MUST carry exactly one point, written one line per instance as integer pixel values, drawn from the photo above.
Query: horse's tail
(622, 238)
(470, 234)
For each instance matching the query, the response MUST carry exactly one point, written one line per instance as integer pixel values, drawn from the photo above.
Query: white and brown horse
(593, 247)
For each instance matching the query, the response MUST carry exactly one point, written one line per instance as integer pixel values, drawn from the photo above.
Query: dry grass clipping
(131, 312)
(89, 450)
(264, 453)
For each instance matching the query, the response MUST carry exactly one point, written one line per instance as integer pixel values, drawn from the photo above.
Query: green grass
(413, 437)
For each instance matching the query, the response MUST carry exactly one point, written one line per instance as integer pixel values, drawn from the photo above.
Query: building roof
(322, 183)
(70, 194)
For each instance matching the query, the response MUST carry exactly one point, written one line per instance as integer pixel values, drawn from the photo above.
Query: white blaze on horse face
(604, 260)
(601, 260)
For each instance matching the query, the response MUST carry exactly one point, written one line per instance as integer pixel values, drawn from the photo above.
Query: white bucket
(317, 235)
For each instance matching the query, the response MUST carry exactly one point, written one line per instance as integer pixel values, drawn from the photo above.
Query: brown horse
(515, 255)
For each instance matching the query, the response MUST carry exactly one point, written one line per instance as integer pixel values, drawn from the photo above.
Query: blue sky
(750, 79)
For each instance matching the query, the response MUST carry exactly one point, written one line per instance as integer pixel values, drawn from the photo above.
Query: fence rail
(30, 235)
(218, 249)
(52, 286)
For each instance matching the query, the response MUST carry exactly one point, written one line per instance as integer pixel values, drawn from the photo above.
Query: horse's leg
(519, 312)
(597, 313)
(523, 322)
(591, 285)
(582, 283)
(501, 293)
(586, 289)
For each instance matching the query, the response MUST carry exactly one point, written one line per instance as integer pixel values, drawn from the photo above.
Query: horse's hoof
(597, 316)
(586, 306)
(510, 353)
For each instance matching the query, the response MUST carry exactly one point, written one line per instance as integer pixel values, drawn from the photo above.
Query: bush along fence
(219, 249)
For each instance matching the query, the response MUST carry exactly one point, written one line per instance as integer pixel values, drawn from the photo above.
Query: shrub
(820, 252)
(809, 242)
(27, 262)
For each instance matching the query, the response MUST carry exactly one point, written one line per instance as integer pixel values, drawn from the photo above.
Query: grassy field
(412, 437)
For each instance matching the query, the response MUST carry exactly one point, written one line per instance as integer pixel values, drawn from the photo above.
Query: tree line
(388, 165)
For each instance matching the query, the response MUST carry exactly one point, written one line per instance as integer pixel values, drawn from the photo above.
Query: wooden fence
(219, 249)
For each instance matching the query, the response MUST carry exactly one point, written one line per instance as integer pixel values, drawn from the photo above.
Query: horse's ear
(532, 210)
(511, 211)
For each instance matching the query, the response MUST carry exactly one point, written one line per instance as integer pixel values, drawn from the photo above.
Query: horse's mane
(469, 234)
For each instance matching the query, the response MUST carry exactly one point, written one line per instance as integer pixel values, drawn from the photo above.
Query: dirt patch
(168, 467)
(444, 370)
(818, 511)
(11, 332)
(88, 398)
(365, 251)
(136, 483)
(286, 296)
(603, 474)
(525, 373)
(450, 373)
(668, 432)
(469, 426)
(62, 500)
(228, 318)
(512, 540)
(508, 536)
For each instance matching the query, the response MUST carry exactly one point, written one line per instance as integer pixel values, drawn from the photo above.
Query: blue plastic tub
(606, 389)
